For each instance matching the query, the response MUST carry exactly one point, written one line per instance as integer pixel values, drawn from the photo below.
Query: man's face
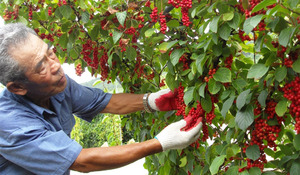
(43, 69)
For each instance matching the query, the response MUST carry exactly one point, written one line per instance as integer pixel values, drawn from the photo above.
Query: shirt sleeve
(87, 102)
(31, 146)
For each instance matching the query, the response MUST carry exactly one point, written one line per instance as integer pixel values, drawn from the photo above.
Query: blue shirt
(35, 140)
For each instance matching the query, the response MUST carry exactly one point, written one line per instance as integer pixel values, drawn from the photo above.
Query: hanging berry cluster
(292, 92)
(195, 113)
(248, 13)
(185, 6)
(88, 48)
(262, 130)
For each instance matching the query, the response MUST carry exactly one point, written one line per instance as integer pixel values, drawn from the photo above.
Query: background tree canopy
(235, 63)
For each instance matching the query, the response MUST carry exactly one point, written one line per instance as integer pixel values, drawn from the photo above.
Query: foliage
(103, 128)
(236, 61)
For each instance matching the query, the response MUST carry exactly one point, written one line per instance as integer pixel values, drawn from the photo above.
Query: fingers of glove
(188, 120)
(180, 124)
(193, 132)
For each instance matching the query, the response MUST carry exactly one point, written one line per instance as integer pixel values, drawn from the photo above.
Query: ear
(16, 88)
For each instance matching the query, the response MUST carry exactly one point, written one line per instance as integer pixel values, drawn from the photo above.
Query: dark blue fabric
(35, 140)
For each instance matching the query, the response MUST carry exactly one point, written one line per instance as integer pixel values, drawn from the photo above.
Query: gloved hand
(173, 137)
(163, 100)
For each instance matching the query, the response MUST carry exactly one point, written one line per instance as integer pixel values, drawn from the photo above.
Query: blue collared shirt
(35, 140)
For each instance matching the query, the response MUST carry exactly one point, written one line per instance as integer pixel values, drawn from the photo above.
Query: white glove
(172, 137)
(163, 100)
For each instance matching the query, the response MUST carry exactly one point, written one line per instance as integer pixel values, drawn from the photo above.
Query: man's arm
(163, 100)
(102, 158)
(124, 104)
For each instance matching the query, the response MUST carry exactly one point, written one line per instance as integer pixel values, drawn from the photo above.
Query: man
(37, 107)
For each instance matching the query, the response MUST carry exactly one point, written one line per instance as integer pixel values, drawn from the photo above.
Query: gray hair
(11, 35)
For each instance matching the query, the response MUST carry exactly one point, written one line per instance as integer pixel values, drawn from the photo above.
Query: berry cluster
(123, 43)
(154, 15)
(147, 4)
(211, 72)
(49, 11)
(162, 83)
(30, 12)
(184, 61)
(78, 70)
(228, 61)
(130, 31)
(163, 24)
(195, 113)
(103, 64)
(244, 37)
(292, 92)
(139, 68)
(180, 105)
(263, 131)
(8, 14)
(185, 6)
(87, 48)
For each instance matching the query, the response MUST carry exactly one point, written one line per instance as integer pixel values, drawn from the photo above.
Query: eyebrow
(39, 64)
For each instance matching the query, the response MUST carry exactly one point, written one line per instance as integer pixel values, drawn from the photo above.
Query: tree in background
(234, 63)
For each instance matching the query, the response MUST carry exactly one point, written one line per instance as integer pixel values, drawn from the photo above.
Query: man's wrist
(146, 104)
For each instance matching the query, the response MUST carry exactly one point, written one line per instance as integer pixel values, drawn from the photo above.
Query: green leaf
(296, 66)
(189, 95)
(255, 20)
(247, 27)
(121, 17)
(295, 168)
(255, 171)
(280, 73)
(202, 90)
(234, 23)
(257, 71)
(293, 3)
(285, 36)
(281, 108)
(183, 161)
(116, 36)
(213, 26)
(253, 152)
(85, 17)
(94, 32)
(262, 5)
(63, 40)
(131, 53)
(225, 31)
(199, 63)
(213, 86)
(239, 84)
(173, 23)
(171, 44)
(241, 99)
(233, 170)
(149, 32)
(66, 11)
(244, 118)
(262, 98)
(216, 163)
(226, 106)
(170, 80)
(296, 142)
(228, 16)
(217, 49)
(175, 55)
(206, 103)
(223, 75)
